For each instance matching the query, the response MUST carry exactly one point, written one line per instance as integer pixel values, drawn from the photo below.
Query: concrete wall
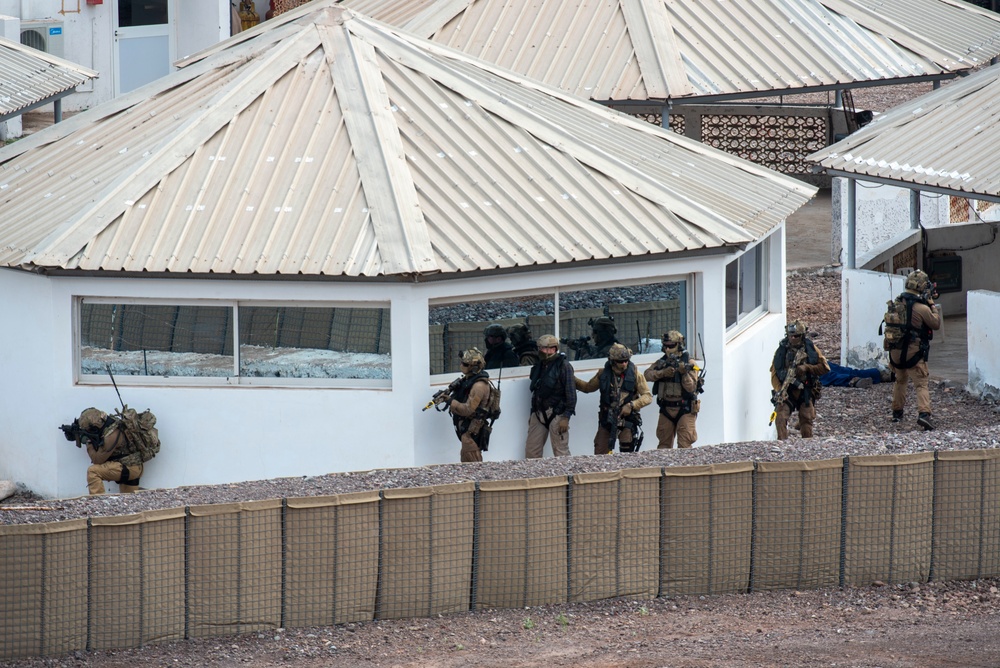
(863, 304)
(984, 344)
(223, 433)
(883, 214)
(88, 36)
(979, 248)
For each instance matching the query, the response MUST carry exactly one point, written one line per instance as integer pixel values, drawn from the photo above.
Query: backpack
(490, 409)
(896, 325)
(140, 431)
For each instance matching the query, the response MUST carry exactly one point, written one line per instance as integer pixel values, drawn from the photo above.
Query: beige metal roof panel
(946, 140)
(657, 49)
(29, 76)
(342, 148)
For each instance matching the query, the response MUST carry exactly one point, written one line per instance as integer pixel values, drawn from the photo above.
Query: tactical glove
(627, 409)
(563, 425)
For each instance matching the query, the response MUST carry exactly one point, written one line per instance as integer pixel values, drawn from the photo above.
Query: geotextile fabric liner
(966, 515)
(331, 559)
(614, 535)
(522, 543)
(797, 524)
(706, 529)
(637, 533)
(426, 551)
(888, 518)
(234, 568)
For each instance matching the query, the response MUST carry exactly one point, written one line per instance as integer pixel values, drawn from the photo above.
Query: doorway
(143, 43)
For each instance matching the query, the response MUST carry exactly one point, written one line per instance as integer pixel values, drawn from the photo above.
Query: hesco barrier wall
(641, 533)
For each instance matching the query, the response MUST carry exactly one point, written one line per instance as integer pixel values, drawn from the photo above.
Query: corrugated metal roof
(620, 50)
(335, 146)
(947, 139)
(29, 76)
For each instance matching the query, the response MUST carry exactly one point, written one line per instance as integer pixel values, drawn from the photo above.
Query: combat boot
(897, 415)
(924, 420)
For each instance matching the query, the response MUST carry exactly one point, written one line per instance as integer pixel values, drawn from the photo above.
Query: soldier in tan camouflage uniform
(112, 455)
(675, 385)
(795, 370)
(472, 390)
(624, 393)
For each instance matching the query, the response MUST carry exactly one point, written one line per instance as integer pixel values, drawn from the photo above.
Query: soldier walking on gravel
(795, 370)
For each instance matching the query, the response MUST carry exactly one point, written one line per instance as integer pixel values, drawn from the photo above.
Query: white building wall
(978, 245)
(223, 434)
(88, 36)
(863, 304)
(984, 344)
(883, 213)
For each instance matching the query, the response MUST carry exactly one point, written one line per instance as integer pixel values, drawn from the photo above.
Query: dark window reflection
(132, 13)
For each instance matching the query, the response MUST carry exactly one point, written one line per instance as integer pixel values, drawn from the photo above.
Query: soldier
(499, 353)
(603, 332)
(623, 393)
(910, 359)
(676, 385)
(524, 346)
(467, 404)
(553, 400)
(113, 457)
(795, 372)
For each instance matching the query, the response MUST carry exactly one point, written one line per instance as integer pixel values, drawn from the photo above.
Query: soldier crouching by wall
(676, 386)
(113, 456)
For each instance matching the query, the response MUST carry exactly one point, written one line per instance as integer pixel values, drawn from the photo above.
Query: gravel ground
(851, 422)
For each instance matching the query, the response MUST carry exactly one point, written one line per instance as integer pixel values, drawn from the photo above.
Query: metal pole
(914, 209)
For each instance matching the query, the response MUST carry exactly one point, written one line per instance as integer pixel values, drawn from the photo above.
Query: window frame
(688, 317)
(234, 380)
(761, 252)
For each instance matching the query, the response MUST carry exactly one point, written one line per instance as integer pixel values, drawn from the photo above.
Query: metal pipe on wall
(852, 222)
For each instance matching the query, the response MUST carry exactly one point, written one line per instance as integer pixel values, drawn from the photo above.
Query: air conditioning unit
(45, 36)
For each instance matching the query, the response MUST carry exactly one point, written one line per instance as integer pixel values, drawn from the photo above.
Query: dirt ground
(884, 626)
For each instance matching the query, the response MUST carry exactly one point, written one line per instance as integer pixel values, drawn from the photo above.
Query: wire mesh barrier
(640, 533)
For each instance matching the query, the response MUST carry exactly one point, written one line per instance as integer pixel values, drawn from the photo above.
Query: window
(199, 341)
(746, 287)
(638, 316)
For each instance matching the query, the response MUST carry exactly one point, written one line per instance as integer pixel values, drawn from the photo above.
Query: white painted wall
(863, 304)
(979, 247)
(883, 213)
(89, 40)
(223, 434)
(983, 325)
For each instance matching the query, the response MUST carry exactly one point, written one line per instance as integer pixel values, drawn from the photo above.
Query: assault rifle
(779, 396)
(74, 433)
(443, 396)
(580, 346)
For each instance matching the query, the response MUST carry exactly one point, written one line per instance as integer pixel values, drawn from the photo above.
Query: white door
(143, 44)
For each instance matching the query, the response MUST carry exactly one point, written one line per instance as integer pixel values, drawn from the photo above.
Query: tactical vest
(527, 353)
(672, 390)
(500, 356)
(627, 391)
(547, 389)
(784, 356)
(899, 331)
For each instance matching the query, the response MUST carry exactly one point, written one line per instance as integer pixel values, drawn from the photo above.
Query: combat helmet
(918, 281)
(495, 330)
(519, 334)
(474, 360)
(92, 420)
(673, 336)
(605, 323)
(619, 353)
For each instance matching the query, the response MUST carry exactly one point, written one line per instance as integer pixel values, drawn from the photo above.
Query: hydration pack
(140, 431)
(895, 327)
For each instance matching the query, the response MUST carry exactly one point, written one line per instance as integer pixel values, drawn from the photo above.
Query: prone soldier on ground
(795, 372)
(677, 381)
(553, 400)
(910, 322)
(624, 393)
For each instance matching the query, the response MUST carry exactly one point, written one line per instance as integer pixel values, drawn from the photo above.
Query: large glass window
(234, 341)
(746, 286)
(589, 321)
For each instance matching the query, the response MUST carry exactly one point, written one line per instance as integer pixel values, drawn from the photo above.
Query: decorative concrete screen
(640, 533)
